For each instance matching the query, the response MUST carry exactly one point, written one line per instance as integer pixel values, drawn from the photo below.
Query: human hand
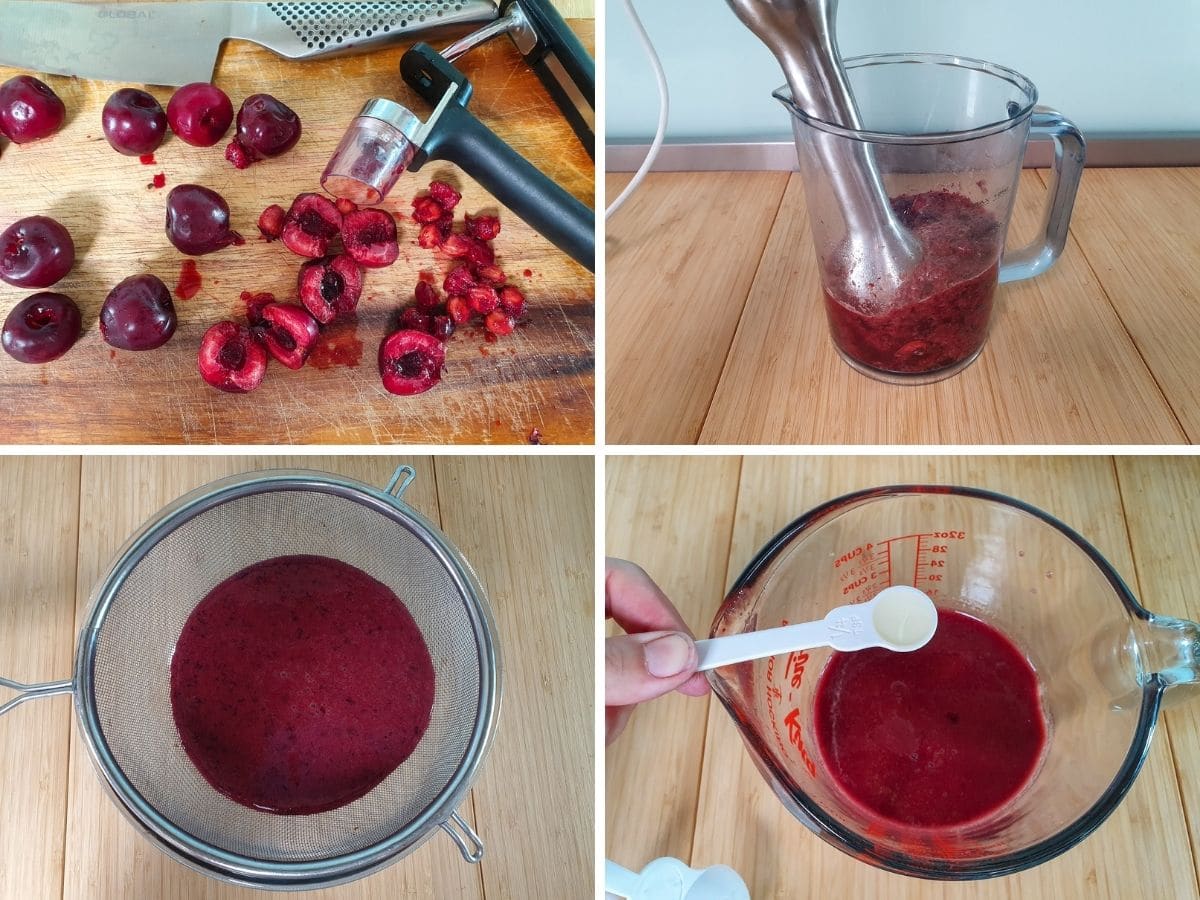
(655, 656)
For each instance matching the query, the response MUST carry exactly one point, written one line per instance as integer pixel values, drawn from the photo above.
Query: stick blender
(801, 34)
(386, 138)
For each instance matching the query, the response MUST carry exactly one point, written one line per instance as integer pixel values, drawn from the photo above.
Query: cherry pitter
(386, 138)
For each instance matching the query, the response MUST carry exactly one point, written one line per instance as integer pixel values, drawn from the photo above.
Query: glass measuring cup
(1103, 664)
(948, 136)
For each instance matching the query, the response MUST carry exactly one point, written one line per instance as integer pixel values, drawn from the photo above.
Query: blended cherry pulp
(937, 737)
(939, 317)
(299, 684)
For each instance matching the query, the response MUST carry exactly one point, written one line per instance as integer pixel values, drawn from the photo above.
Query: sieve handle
(33, 691)
(401, 479)
(469, 844)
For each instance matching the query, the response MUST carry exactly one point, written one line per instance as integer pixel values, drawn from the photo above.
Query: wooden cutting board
(541, 377)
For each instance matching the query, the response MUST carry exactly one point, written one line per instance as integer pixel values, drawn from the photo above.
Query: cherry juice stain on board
(338, 346)
(299, 684)
(190, 282)
(147, 159)
(159, 181)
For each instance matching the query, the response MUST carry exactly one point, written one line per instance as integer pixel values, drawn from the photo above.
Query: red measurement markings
(847, 558)
(932, 550)
(794, 670)
(792, 721)
(793, 673)
(904, 537)
(881, 565)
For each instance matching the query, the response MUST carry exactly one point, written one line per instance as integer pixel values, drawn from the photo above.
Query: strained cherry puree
(299, 684)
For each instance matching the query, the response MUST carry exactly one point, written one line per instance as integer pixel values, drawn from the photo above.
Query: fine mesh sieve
(122, 676)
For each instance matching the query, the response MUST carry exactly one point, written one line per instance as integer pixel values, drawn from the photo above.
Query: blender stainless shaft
(800, 33)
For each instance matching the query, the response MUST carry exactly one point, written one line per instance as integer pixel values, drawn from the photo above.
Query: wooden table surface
(679, 780)
(716, 333)
(62, 836)
(540, 377)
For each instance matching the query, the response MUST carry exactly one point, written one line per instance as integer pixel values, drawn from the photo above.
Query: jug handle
(1170, 657)
(1069, 153)
(33, 691)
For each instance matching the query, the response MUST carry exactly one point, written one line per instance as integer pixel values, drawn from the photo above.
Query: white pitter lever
(899, 618)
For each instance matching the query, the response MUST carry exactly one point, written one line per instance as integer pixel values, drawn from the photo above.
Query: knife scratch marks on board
(212, 418)
(574, 330)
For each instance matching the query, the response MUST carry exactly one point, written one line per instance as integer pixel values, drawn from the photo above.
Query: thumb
(639, 667)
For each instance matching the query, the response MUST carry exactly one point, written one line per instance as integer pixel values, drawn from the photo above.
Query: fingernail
(668, 655)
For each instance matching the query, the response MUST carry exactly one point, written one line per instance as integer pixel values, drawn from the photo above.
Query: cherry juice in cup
(939, 737)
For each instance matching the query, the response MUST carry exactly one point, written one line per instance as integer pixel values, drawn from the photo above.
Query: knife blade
(177, 43)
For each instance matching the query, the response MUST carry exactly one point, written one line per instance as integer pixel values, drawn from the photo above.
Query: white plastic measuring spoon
(900, 618)
(672, 879)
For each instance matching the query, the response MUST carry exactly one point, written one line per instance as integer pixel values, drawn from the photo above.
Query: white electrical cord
(664, 109)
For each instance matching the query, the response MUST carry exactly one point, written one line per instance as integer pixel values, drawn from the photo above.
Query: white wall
(1116, 67)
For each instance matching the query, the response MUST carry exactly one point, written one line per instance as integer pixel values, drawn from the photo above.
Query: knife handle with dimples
(310, 30)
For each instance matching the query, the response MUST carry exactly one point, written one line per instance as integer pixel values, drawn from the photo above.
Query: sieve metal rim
(238, 868)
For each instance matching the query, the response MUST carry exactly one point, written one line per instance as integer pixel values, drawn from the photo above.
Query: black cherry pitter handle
(564, 66)
(460, 138)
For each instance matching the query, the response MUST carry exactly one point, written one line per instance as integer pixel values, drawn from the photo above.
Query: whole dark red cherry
(134, 122)
(29, 110)
(41, 328)
(35, 252)
(265, 127)
(138, 314)
(200, 113)
(198, 220)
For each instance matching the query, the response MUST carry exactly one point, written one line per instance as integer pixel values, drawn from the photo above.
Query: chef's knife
(178, 43)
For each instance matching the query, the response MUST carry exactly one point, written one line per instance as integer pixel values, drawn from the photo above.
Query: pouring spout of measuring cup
(899, 618)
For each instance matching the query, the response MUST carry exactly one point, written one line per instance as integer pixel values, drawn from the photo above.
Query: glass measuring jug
(1103, 664)
(948, 136)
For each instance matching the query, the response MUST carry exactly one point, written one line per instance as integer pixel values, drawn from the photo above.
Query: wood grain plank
(542, 376)
(1139, 851)
(575, 9)
(1059, 366)
(38, 523)
(1162, 506)
(674, 517)
(682, 255)
(527, 524)
(1138, 230)
(106, 857)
